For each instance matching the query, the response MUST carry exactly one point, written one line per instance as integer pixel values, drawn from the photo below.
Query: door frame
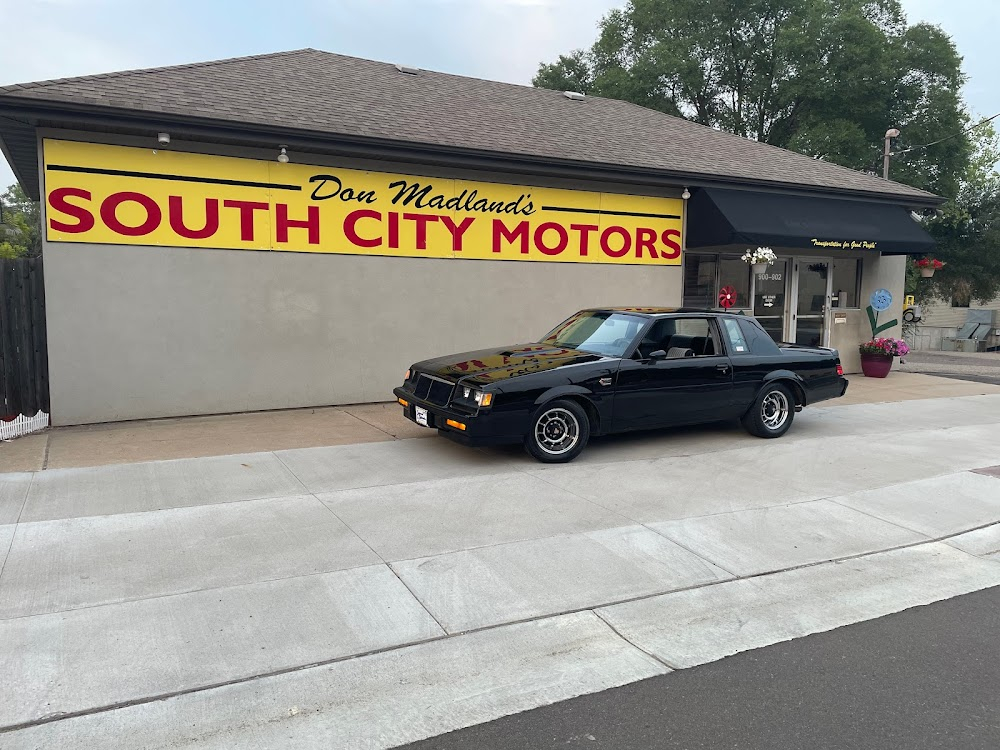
(793, 298)
(790, 312)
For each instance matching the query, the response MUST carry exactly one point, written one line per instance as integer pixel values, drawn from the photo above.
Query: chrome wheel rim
(774, 410)
(557, 431)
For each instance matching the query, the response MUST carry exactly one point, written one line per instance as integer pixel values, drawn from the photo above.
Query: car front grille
(433, 390)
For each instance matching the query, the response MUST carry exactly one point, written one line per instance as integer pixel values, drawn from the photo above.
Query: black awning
(736, 217)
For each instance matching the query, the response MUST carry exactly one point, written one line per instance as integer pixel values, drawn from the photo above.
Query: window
(735, 273)
(604, 333)
(700, 272)
(846, 282)
(679, 337)
(706, 275)
(737, 342)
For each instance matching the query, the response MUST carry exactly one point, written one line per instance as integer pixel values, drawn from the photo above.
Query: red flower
(929, 263)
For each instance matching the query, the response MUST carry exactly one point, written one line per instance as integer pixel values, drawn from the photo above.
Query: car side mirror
(658, 354)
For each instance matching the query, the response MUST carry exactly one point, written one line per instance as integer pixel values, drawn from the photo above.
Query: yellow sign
(133, 196)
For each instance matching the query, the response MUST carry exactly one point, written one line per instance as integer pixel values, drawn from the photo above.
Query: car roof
(650, 312)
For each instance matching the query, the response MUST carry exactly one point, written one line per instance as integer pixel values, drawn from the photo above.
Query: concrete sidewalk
(191, 437)
(367, 595)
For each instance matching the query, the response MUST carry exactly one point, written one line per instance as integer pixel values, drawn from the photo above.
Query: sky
(503, 40)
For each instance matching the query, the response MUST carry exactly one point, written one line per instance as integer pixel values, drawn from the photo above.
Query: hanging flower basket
(927, 266)
(877, 355)
(759, 259)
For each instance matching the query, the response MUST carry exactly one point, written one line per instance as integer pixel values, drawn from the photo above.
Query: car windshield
(607, 333)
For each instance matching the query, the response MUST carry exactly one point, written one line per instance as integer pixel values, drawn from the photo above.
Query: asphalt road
(981, 367)
(928, 677)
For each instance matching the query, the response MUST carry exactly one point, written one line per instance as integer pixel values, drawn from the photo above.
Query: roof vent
(576, 96)
(407, 69)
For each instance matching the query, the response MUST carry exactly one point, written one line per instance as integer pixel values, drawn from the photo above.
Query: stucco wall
(877, 272)
(140, 332)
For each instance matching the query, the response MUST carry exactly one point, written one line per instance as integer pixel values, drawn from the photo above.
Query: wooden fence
(24, 364)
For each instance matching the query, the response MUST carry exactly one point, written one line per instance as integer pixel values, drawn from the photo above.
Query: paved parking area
(368, 595)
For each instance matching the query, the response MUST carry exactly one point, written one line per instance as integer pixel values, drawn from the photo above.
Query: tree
(569, 73)
(822, 77)
(967, 232)
(20, 230)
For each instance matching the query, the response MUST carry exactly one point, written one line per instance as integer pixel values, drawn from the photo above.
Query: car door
(679, 389)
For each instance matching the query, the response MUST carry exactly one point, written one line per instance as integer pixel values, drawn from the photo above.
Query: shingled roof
(335, 95)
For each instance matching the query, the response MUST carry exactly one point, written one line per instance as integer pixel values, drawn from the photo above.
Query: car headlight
(472, 396)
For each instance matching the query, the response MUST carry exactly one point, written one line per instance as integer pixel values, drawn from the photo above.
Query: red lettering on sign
(457, 231)
(282, 223)
(626, 242)
(645, 239)
(667, 240)
(350, 227)
(393, 230)
(562, 238)
(520, 232)
(58, 202)
(109, 214)
(585, 231)
(421, 220)
(246, 209)
(175, 210)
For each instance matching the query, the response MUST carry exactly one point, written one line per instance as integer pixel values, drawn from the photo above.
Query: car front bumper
(485, 428)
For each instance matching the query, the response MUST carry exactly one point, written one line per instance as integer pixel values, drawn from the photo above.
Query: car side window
(737, 341)
(693, 337)
(680, 337)
(656, 338)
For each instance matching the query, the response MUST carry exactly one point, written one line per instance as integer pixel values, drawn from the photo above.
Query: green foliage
(569, 73)
(967, 232)
(823, 77)
(20, 232)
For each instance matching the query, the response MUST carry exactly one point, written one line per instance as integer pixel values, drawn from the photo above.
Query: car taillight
(840, 369)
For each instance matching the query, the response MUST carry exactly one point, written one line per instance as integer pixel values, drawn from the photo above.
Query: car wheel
(772, 412)
(559, 432)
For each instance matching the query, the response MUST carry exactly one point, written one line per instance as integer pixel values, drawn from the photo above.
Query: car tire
(772, 413)
(559, 432)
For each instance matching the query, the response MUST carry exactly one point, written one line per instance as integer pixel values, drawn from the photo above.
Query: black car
(612, 370)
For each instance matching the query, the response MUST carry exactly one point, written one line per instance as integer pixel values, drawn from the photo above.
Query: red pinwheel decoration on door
(727, 297)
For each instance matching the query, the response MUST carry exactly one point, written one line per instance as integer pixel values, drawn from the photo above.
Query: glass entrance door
(811, 295)
(769, 299)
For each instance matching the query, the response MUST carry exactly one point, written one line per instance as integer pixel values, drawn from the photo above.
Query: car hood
(493, 365)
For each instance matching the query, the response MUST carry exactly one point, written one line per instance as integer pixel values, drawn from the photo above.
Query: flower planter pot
(759, 268)
(927, 272)
(876, 365)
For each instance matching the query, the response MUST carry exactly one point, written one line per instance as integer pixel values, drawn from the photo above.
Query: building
(957, 325)
(294, 229)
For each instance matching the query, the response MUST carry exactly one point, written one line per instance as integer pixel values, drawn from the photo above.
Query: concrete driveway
(368, 595)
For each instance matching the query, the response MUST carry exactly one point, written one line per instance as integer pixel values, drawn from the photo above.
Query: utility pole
(889, 135)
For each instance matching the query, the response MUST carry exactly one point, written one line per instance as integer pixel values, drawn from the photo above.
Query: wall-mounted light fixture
(283, 155)
(686, 194)
(163, 139)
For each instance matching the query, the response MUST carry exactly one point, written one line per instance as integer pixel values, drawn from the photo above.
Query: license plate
(421, 416)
